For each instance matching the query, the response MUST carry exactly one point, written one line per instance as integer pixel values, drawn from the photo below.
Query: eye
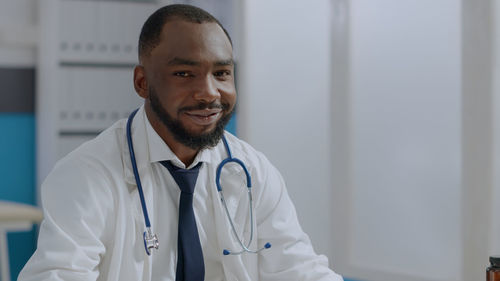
(222, 74)
(182, 74)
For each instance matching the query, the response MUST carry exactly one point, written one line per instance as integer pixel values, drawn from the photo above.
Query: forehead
(194, 41)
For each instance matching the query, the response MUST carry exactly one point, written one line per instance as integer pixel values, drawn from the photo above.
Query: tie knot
(185, 178)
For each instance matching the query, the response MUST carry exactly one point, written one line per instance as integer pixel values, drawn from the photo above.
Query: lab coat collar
(141, 148)
(160, 151)
(149, 147)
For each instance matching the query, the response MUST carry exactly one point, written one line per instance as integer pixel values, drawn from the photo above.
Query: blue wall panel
(231, 126)
(17, 166)
(17, 152)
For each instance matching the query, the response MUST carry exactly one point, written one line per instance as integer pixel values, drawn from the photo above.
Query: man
(94, 219)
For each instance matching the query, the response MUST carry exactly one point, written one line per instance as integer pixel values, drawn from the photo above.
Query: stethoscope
(151, 239)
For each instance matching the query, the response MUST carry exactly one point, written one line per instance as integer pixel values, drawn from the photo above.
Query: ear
(140, 81)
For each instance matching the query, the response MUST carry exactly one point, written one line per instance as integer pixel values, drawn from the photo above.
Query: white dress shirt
(93, 226)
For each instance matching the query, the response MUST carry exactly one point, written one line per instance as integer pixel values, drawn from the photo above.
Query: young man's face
(190, 82)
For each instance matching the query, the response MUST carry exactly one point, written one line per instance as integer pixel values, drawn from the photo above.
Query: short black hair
(151, 30)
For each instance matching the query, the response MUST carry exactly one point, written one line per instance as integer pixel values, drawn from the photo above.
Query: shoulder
(81, 194)
(257, 163)
(268, 185)
(244, 151)
(99, 154)
(92, 166)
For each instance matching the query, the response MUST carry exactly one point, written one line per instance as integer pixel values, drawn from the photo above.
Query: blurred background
(382, 115)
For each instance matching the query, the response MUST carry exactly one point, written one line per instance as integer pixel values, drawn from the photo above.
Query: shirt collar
(160, 151)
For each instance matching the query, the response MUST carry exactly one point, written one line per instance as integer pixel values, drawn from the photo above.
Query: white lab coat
(93, 222)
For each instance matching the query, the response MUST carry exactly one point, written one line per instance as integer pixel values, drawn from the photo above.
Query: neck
(184, 153)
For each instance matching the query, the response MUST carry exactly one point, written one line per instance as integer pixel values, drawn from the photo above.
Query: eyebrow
(227, 62)
(180, 61)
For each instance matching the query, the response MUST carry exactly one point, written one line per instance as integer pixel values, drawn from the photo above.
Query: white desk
(14, 217)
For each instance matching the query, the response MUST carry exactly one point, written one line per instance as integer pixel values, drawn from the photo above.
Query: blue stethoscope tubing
(231, 159)
(151, 240)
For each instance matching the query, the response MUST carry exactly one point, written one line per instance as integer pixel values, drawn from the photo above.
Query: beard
(181, 134)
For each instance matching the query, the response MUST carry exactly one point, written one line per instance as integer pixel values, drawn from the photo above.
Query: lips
(204, 117)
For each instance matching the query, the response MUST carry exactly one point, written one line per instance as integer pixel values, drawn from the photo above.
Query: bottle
(493, 271)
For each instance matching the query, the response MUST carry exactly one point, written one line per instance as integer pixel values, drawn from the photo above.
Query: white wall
(406, 131)
(284, 101)
(421, 139)
(495, 198)
(478, 137)
(392, 120)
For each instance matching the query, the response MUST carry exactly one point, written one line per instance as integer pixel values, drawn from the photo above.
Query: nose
(207, 90)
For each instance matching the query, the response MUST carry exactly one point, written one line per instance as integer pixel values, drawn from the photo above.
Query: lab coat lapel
(140, 258)
(141, 150)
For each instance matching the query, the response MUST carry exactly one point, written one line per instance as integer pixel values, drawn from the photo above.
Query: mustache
(202, 105)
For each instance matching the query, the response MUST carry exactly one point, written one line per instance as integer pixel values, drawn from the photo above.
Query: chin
(201, 131)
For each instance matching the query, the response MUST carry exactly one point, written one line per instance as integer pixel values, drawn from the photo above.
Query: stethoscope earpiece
(226, 252)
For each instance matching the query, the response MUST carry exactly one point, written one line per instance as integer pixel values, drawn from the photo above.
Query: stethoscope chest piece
(150, 241)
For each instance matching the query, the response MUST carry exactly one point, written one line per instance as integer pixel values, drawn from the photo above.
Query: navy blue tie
(190, 265)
